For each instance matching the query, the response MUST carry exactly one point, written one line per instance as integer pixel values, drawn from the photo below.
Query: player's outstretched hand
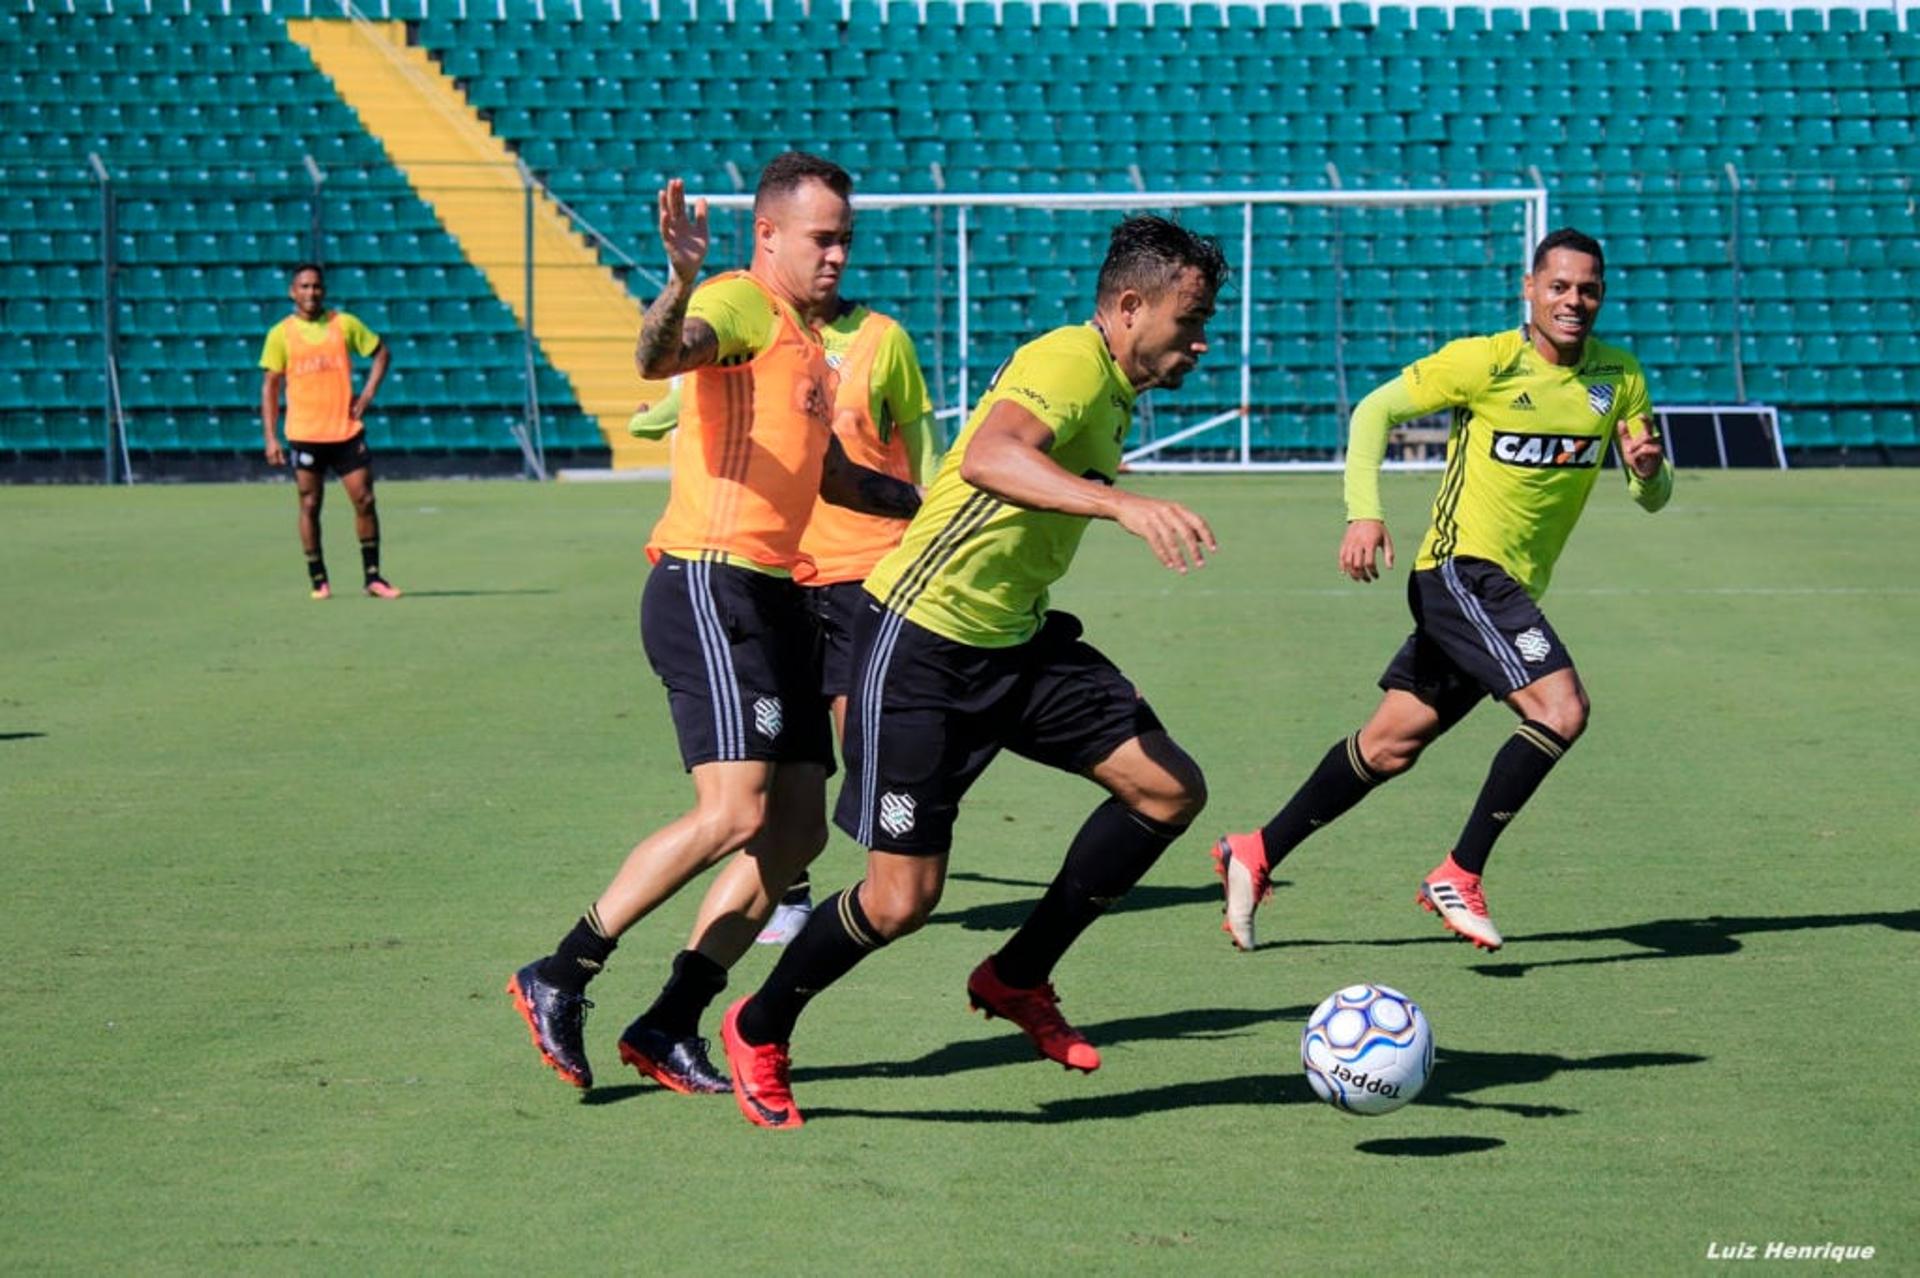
(1642, 453)
(1365, 537)
(685, 238)
(1177, 536)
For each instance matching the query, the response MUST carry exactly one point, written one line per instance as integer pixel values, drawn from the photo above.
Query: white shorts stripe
(723, 683)
(873, 681)
(1490, 637)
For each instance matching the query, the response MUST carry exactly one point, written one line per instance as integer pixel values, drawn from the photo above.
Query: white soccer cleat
(1455, 896)
(786, 922)
(1241, 862)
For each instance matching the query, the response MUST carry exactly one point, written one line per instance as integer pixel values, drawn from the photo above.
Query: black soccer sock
(1114, 847)
(1342, 780)
(801, 891)
(581, 954)
(1518, 769)
(317, 570)
(370, 557)
(832, 944)
(696, 981)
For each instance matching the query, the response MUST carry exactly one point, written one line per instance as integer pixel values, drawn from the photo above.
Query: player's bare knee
(1568, 716)
(727, 827)
(895, 912)
(1391, 756)
(1183, 800)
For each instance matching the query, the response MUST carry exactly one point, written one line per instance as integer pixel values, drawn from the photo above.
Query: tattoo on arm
(669, 342)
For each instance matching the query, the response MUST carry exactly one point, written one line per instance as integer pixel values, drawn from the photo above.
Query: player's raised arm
(1644, 458)
(1009, 458)
(669, 342)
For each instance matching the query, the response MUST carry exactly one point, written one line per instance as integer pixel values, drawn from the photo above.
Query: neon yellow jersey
(972, 567)
(361, 340)
(1527, 442)
(740, 313)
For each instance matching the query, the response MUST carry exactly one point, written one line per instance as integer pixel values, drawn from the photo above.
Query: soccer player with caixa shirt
(309, 353)
(1534, 410)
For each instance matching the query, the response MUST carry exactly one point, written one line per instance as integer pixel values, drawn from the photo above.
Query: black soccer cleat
(558, 1021)
(681, 1064)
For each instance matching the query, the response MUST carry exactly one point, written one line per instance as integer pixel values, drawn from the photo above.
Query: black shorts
(342, 458)
(927, 715)
(1476, 633)
(740, 657)
(834, 608)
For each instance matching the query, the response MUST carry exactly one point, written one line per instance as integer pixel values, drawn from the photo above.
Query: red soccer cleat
(760, 1083)
(1037, 1013)
(1241, 862)
(1454, 895)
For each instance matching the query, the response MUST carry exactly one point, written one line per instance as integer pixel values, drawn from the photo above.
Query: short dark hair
(1146, 253)
(1568, 238)
(787, 171)
(304, 267)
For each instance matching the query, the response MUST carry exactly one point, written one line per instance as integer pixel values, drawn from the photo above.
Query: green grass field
(269, 863)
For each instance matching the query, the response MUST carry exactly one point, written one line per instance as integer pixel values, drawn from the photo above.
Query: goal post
(1330, 292)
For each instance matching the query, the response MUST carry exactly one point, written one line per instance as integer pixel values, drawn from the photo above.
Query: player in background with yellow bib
(1534, 411)
(309, 354)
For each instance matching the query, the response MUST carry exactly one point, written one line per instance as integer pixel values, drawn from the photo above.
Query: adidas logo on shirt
(1522, 400)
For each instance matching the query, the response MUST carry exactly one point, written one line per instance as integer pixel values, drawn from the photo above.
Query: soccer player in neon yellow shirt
(1534, 410)
(957, 657)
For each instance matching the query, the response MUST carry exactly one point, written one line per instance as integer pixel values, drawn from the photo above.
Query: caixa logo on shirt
(1548, 452)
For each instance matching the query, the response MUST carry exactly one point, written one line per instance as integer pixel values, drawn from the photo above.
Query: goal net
(1331, 293)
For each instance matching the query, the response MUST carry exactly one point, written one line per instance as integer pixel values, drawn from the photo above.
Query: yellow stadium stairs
(584, 319)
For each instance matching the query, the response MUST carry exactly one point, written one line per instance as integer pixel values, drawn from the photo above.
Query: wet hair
(1568, 238)
(304, 267)
(1147, 253)
(786, 172)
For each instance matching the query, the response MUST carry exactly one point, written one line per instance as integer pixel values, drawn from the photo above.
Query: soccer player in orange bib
(722, 616)
(1534, 411)
(309, 354)
(883, 417)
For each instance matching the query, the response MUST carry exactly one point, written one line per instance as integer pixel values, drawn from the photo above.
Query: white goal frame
(1147, 457)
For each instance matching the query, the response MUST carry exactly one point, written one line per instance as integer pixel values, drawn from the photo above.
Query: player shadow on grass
(1455, 1074)
(1006, 916)
(1689, 938)
(20, 736)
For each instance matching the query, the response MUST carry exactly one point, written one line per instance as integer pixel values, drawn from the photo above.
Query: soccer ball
(1367, 1049)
